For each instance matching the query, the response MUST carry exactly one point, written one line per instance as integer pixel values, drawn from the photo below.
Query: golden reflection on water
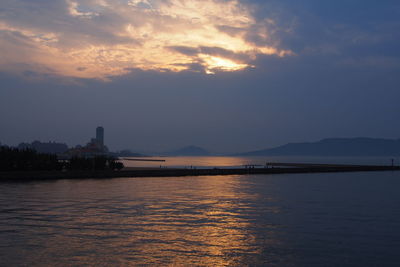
(197, 230)
(176, 222)
(187, 162)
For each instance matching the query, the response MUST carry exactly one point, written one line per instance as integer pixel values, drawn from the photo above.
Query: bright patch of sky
(103, 38)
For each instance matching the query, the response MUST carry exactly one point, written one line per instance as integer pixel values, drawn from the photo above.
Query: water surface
(339, 219)
(236, 162)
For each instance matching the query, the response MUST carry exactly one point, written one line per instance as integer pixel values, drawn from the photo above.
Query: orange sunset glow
(102, 38)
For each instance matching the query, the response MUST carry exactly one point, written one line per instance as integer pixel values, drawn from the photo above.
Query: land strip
(272, 168)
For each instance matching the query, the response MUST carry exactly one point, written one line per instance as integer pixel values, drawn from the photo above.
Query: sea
(330, 219)
(240, 162)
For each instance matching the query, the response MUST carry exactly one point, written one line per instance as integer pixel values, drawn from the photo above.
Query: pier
(270, 168)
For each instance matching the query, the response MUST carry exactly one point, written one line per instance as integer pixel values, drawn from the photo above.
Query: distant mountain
(188, 151)
(335, 147)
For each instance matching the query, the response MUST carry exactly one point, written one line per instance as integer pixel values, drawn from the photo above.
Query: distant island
(361, 146)
(188, 151)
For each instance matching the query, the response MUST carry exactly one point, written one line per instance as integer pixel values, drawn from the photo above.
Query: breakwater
(271, 168)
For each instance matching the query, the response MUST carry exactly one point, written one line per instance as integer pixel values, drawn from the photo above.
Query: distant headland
(335, 147)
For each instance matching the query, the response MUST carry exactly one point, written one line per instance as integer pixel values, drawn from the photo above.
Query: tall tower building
(100, 135)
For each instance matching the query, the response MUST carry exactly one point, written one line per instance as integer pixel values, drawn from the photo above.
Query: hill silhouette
(361, 146)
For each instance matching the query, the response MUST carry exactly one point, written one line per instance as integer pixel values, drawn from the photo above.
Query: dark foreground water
(344, 219)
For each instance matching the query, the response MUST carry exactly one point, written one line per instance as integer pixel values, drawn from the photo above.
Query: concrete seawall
(169, 172)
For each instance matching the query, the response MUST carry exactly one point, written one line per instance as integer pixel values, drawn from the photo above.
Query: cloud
(103, 38)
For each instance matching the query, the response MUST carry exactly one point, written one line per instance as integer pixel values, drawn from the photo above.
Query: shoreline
(174, 172)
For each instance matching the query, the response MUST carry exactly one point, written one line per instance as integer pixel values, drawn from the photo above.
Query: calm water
(277, 220)
(201, 162)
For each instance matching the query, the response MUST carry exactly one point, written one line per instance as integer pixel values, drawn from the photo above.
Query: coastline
(285, 168)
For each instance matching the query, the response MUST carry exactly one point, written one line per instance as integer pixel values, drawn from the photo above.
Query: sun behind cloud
(103, 38)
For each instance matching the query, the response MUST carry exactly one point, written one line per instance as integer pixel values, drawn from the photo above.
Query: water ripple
(201, 221)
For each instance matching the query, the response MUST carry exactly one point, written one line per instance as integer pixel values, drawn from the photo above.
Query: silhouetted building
(100, 135)
(95, 147)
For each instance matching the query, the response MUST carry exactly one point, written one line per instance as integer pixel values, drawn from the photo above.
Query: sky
(227, 75)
